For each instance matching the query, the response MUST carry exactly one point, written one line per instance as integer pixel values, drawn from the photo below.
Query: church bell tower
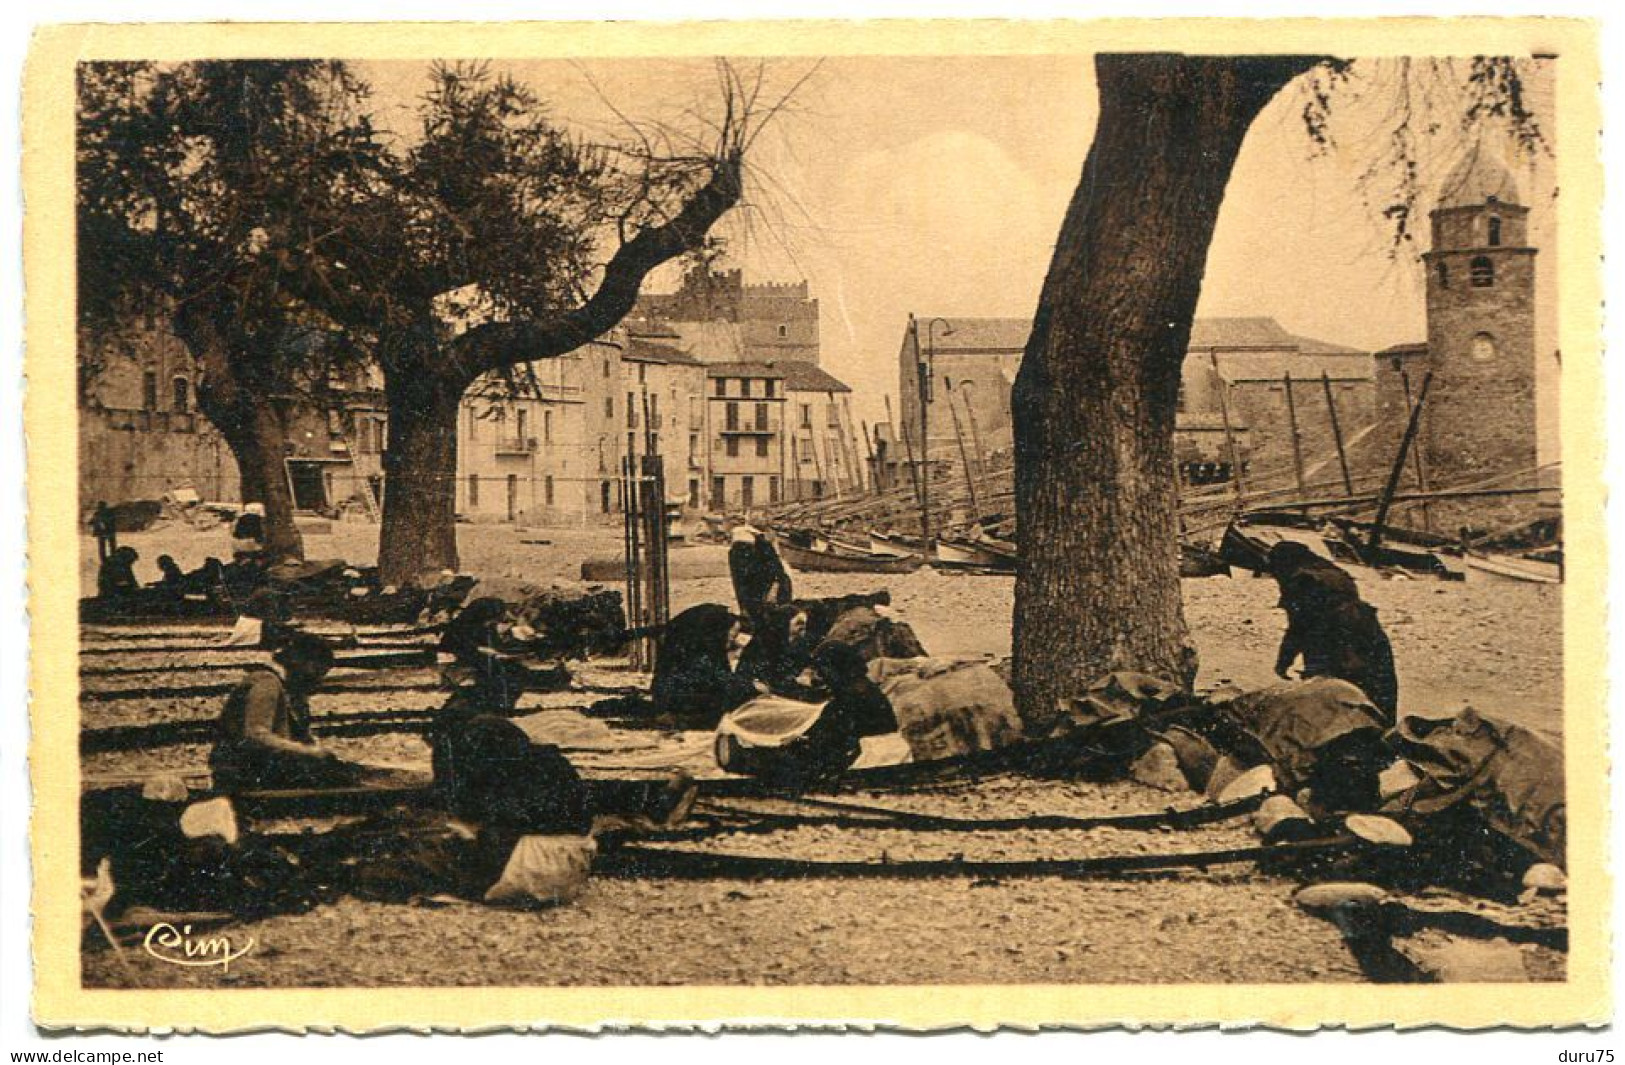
(1480, 415)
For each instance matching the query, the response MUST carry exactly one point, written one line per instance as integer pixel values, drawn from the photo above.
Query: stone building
(1235, 367)
(1479, 418)
(745, 403)
(545, 445)
(142, 436)
(140, 433)
(761, 322)
(822, 454)
(665, 390)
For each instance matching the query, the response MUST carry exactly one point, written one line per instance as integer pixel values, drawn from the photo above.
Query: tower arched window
(181, 393)
(1495, 232)
(1483, 347)
(1483, 272)
(1443, 270)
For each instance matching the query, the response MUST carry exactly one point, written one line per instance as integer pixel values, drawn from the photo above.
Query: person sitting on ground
(473, 630)
(248, 534)
(693, 681)
(779, 653)
(795, 746)
(265, 739)
(116, 577)
(173, 578)
(758, 574)
(1331, 627)
(489, 771)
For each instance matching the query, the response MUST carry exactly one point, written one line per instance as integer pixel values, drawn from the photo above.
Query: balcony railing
(516, 445)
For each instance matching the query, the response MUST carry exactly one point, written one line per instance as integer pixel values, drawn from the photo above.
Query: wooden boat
(893, 544)
(1514, 568)
(836, 560)
(981, 555)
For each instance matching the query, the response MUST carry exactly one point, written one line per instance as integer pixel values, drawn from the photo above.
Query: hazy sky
(937, 184)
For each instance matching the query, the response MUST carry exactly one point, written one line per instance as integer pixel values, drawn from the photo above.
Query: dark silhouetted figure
(759, 576)
(1331, 627)
(779, 652)
(172, 578)
(104, 526)
(693, 679)
(116, 577)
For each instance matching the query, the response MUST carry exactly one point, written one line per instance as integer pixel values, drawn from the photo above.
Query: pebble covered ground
(1495, 646)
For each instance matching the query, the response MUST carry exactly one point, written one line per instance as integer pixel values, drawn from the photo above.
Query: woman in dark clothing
(693, 679)
(116, 578)
(472, 629)
(856, 708)
(1331, 627)
(758, 574)
(779, 653)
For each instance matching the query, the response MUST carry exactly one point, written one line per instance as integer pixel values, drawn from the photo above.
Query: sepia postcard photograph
(904, 524)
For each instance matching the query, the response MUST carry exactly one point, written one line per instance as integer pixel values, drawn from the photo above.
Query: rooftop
(743, 369)
(806, 377)
(1478, 178)
(1010, 334)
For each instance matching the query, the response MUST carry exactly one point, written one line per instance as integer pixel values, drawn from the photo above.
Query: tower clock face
(1483, 347)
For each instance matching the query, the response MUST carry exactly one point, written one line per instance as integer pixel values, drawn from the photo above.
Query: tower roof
(1479, 178)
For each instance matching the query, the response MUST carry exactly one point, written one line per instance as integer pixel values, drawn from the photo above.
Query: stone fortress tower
(1479, 421)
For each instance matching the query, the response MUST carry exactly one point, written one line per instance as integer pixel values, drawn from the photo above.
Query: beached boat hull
(808, 560)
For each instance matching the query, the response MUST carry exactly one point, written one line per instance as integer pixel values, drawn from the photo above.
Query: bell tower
(1480, 414)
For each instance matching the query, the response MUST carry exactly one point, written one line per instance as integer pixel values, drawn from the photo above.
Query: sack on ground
(544, 870)
(948, 709)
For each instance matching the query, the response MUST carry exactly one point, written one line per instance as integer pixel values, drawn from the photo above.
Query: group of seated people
(695, 685)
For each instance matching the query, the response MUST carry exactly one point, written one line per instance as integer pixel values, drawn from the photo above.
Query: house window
(183, 395)
(473, 491)
(149, 390)
(606, 374)
(547, 489)
(761, 417)
(1483, 272)
(519, 432)
(773, 489)
(603, 492)
(784, 330)
(771, 386)
(547, 426)
(747, 491)
(834, 415)
(761, 447)
(722, 387)
(806, 415)
(642, 373)
(694, 452)
(1443, 270)
(631, 410)
(1495, 232)
(609, 408)
(654, 409)
(731, 445)
(731, 419)
(719, 492)
(744, 387)
(631, 445)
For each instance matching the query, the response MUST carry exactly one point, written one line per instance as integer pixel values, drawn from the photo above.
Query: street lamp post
(925, 366)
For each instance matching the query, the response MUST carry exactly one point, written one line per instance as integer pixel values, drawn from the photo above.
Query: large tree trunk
(1094, 401)
(253, 427)
(419, 532)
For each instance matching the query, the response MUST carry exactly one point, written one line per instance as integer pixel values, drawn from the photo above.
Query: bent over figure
(1335, 632)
